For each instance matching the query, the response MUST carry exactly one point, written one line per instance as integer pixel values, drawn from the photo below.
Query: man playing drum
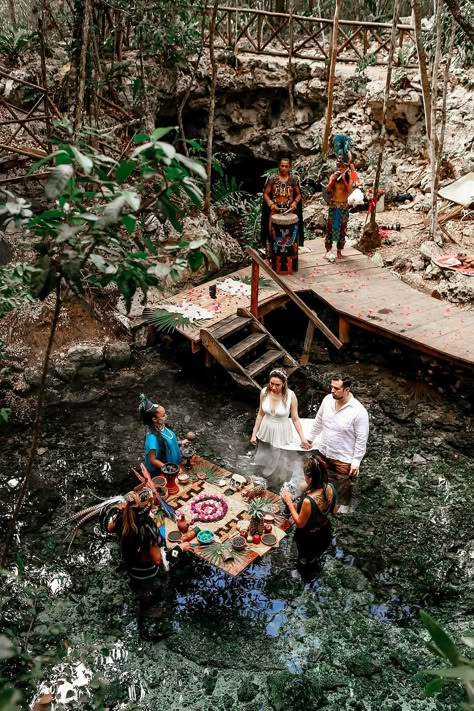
(282, 194)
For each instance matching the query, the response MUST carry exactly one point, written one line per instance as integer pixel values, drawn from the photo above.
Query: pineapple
(256, 509)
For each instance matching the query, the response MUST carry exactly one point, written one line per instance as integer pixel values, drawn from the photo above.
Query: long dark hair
(147, 417)
(317, 471)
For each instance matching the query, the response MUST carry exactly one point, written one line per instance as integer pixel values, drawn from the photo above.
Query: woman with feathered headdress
(340, 186)
(161, 444)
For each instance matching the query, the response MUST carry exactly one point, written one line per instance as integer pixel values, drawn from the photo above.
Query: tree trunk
(434, 101)
(462, 20)
(212, 108)
(420, 50)
(291, 73)
(36, 429)
(439, 140)
(383, 130)
(82, 68)
(332, 74)
(11, 7)
(187, 93)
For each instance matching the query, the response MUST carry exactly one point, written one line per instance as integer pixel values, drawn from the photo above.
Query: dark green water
(264, 640)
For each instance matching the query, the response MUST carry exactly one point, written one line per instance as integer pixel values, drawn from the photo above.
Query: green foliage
(14, 43)
(251, 221)
(14, 286)
(170, 32)
(227, 192)
(263, 282)
(218, 553)
(89, 235)
(463, 47)
(259, 506)
(368, 60)
(211, 471)
(462, 669)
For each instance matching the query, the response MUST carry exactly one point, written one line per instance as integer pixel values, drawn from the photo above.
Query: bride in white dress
(272, 427)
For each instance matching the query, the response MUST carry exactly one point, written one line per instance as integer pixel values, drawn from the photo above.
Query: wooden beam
(344, 330)
(307, 344)
(294, 297)
(254, 292)
(31, 152)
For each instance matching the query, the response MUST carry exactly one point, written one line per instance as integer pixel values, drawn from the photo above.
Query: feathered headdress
(342, 144)
(145, 404)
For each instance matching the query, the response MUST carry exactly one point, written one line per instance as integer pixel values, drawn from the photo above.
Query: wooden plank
(230, 326)
(247, 344)
(307, 344)
(263, 362)
(222, 355)
(294, 297)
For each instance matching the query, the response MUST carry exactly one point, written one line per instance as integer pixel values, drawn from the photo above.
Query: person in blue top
(161, 444)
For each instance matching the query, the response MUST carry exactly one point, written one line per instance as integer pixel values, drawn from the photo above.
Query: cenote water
(264, 640)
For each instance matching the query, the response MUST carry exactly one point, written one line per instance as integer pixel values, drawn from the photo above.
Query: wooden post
(209, 359)
(307, 344)
(344, 330)
(254, 289)
(332, 75)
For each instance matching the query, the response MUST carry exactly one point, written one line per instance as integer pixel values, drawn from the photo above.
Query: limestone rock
(117, 355)
(86, 354)
(65, 371)
(377, 259)
(430, 249)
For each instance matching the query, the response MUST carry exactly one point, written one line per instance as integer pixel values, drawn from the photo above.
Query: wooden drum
(284, 257)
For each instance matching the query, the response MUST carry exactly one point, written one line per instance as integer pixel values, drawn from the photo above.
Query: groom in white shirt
(342, 423)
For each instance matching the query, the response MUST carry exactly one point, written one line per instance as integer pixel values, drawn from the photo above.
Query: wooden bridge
(243, 29)
(358, 291)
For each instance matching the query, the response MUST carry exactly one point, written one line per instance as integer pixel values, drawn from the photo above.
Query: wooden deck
(361, 293)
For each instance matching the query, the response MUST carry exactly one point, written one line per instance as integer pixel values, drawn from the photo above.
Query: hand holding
(305, 444)
(185, 442)
(253, 440)
(293, 206)
(354, 472)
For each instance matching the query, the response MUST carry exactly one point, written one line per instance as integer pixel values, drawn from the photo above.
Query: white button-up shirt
(344, 432)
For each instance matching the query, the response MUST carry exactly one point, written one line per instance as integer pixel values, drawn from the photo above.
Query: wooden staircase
(246, 349)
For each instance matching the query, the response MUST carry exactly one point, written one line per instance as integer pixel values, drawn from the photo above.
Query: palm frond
(263, 282)
(168, 321)
(210, 470)
(227, 192)
(214, 553)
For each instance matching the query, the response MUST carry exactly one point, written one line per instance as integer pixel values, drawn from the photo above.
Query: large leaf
(84, 161)
(441, 638)
(7, 648)
(160, 132)
(132, 198)
(463, 672)
(124, 171)
(57, 180)
(192, 165)
(168, 321)
(112, 211)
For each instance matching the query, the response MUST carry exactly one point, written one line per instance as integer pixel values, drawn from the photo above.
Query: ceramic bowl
(183, 478)
(174, 536)
(205, 537)
(238, 543)
(269, 539)
(268, 518)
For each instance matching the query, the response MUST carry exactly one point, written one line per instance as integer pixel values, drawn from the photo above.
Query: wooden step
(247, 344)
(245, 382)
(230, 325)
(263, 362)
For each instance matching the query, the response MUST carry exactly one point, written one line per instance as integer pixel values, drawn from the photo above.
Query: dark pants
(347, 489)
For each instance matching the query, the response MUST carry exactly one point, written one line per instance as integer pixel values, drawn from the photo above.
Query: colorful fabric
(167, 450)
(337, 226)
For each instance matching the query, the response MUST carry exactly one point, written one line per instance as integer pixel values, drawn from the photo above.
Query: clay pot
(171, 471)
(182, 524)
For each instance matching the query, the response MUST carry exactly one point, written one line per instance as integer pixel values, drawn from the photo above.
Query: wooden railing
(246, 30)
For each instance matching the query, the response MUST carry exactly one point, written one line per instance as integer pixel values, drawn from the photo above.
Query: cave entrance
(248, 172)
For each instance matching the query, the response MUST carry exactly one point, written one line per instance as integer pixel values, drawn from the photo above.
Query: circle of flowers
(208, 508)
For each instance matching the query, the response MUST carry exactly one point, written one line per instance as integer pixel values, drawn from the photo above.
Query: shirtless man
(339, 188)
